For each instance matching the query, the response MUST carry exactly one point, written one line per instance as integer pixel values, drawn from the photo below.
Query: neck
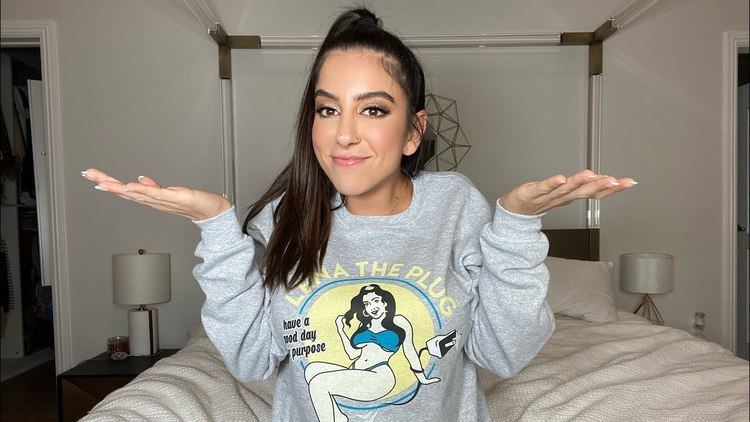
(392, 198)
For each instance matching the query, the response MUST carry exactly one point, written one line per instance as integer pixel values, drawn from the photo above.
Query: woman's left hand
(537, 197)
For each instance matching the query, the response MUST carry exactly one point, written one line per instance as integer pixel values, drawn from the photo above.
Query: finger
(584, 184)
(98, 176)
(574, 182)
(148, 181)
(546, 186)
(153, 192)
(624, 183)
(559, 185)
(572, 190)
(597, 189)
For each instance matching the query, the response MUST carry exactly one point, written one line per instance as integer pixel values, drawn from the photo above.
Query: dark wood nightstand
(80, 388)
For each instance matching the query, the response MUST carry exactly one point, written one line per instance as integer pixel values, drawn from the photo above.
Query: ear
(415, 137)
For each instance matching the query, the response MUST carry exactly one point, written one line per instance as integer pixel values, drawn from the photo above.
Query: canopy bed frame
(595, 40)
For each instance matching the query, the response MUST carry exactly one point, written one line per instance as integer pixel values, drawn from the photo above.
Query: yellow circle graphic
(336, 301)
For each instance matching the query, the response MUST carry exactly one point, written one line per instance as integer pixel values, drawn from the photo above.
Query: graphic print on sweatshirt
(360, 334)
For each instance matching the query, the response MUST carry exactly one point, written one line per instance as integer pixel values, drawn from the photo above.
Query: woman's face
(374, 305)
(360, 113)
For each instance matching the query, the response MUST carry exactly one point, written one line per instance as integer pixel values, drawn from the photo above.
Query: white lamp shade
(141, 279)
(646, 272)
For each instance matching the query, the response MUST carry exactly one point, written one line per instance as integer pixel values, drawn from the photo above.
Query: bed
(624, 369)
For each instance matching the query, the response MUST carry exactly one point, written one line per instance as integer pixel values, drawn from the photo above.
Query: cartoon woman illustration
(379, 336)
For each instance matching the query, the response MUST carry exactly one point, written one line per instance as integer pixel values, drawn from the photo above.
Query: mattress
(624, 370)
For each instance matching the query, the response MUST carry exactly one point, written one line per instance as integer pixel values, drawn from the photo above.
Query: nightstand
(80, 388)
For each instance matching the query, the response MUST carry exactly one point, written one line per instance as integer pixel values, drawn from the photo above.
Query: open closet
(27, 322)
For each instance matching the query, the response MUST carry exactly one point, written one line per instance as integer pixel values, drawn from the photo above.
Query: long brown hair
(303, 218)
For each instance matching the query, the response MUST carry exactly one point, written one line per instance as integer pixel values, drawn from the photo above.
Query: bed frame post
(595, 41)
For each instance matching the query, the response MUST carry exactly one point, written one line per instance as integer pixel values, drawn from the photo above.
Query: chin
(350, 187)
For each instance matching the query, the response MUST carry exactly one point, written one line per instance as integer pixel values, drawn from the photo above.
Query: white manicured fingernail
(633, 183)
(139, 178)
(99, 187)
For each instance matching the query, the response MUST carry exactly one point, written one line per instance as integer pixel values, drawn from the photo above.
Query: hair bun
(368, 21)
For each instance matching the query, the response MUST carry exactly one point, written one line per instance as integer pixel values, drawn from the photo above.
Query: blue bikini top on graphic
(387, 339)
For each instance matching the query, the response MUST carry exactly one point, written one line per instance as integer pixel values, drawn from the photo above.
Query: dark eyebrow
(360, 97)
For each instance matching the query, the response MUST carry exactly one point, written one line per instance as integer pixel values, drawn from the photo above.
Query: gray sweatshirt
(401, 310)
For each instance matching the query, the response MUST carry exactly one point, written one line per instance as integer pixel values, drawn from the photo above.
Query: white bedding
(625, 370)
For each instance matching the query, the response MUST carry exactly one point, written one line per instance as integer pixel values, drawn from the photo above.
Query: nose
(345, 141)
(347, 133)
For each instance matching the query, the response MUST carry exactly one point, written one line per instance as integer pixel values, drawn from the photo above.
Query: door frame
(44, 34)
(733, 42)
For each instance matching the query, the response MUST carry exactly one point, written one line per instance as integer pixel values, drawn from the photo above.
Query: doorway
(743, 185)
(48, 171)
(26, 328)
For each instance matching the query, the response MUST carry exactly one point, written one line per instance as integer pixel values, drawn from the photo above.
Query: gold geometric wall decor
(445, 139)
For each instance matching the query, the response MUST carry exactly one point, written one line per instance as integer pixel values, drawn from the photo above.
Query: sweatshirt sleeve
(511, 317)
(235, 314)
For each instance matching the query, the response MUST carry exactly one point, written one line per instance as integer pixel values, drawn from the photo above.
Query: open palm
(190, 203)
(536, 197)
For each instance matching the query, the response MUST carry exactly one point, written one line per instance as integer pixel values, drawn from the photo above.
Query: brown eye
(377, 109)
(319, 110)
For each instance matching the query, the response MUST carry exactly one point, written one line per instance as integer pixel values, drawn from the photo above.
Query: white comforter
(625, 370)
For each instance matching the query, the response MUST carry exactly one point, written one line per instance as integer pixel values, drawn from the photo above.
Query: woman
(354, 205)
(380, 334)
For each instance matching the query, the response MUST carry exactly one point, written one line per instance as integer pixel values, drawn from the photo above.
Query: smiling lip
(348, 160)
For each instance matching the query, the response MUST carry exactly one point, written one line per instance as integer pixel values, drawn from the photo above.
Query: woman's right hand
(190, 203)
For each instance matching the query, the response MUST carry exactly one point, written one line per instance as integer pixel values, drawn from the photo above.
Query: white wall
(663, 125)
(140, 95)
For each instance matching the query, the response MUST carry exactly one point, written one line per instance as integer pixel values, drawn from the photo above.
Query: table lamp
(647, 273)
(141, 279)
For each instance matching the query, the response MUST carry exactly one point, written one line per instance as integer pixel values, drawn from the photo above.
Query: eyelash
(383, 111)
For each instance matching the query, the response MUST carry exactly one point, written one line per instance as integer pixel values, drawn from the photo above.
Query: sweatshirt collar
(382, 221)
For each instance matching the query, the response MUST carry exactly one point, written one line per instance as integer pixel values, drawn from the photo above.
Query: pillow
(581, 289)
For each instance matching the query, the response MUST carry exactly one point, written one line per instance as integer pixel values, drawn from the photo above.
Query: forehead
(348, 73)
(371, 296)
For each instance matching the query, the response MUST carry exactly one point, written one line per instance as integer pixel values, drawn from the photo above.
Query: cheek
(316, 135)
(387, 140)
(320, 140)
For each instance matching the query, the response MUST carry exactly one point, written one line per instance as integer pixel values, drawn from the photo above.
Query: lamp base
(143, 331)
(649, 310)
